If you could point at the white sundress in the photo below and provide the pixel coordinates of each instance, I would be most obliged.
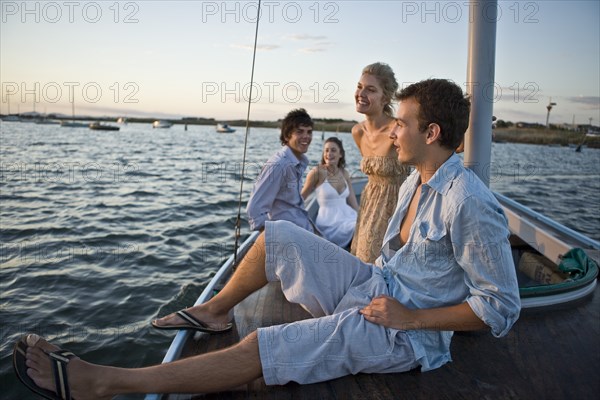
(336, 219)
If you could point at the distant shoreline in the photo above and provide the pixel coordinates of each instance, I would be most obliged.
(320, 124)
(529, 135)
(545, 137)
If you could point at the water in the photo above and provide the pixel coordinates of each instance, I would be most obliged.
(103, 231)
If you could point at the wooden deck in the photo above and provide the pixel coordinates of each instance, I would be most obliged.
(549, 354)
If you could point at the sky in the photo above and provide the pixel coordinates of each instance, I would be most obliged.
(173, 59)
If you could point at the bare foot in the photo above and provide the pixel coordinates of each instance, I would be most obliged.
(84, 378)
(199, 312)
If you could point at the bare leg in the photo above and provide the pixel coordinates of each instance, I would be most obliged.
(216, 371)
(248, 278)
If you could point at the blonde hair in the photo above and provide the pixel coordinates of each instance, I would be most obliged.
(386, 78)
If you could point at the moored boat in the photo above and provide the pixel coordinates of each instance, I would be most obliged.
(97, 126)
(47, 121)
(224, 128)
(73, 123)
(162, 124)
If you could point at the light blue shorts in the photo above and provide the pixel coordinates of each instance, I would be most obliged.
(332, 285)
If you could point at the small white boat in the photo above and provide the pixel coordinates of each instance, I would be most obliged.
(162, 124)
(224, 128)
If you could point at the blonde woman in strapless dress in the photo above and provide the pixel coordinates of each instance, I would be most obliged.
(373, 98)
(337, 202)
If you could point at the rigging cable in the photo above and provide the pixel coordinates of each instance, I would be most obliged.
(239, 217)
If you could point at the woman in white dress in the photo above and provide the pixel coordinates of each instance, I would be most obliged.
(337, 202)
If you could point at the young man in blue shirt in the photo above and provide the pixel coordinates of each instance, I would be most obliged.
(445, 266)
(276, 193)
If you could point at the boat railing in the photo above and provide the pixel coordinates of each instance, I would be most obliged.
(534, 215)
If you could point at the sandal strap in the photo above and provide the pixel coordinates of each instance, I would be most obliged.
(190, 319)
(59, 360)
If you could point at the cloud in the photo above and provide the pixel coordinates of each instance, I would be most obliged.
(302, 36)
(514, 114)
(266, 47)
(312, 49)
(317, 48)
(591, 101)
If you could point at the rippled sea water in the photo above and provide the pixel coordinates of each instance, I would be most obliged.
(102, 231)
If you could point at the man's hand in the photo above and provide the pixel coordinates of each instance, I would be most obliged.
(387, 311)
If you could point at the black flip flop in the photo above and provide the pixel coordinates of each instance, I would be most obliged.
(59, 359)
(193, 324)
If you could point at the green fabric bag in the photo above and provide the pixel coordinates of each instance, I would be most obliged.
(580, 268)
(577, 264)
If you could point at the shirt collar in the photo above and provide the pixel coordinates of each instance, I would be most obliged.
(442, 180)
(303, 161)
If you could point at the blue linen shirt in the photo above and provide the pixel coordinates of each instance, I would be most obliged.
(276, 193)
(457, 251)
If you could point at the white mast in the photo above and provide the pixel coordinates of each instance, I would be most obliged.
(483, 15)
